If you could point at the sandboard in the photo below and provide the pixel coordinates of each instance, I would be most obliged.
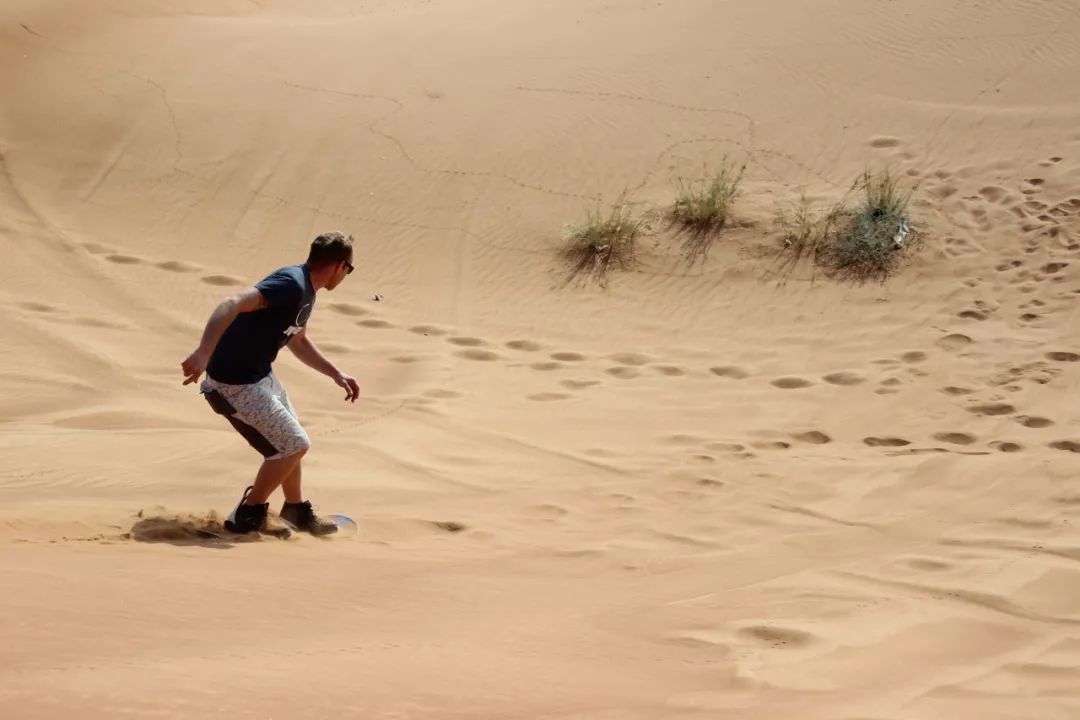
(223, 534)
(346, 526)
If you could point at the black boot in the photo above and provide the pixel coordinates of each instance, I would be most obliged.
(252, 518)
(302, 517)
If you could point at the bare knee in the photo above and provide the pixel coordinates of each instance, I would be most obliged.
(294, 451)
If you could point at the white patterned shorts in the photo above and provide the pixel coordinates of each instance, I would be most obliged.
(261, 413)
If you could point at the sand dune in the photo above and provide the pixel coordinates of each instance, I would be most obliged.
(718, 489)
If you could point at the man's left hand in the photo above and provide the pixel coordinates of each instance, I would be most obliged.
(352, 388)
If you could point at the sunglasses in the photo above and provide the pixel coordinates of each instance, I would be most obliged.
(349, 266)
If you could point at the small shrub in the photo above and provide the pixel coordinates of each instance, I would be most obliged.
(595, 246)
(701, 210)
(866, 242)
(857, 243)
(803, 233)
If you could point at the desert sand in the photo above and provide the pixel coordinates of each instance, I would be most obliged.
(703, 491)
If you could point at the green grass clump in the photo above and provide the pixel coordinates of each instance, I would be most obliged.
(601, 243)
(701, 210)
(863, 244)
(805, 233)
(863, 241)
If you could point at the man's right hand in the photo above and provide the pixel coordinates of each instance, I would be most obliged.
(194, 366)
(248, 300)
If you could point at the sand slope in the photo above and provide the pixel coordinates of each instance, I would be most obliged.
(708, 491)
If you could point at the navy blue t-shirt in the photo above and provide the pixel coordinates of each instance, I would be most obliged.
(251, 343)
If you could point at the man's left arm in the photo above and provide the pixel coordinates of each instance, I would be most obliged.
(309, 354)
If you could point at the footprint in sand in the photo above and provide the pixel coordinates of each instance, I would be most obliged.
(791, 383)
(954, 342)
(524, 345)
(729, 371)
(34, 306)
(1068, 445)
(994, 193)
(1037, 372)
(955, 438)
(770, 445)
(992, 409)
(348, 309)
(1006, 447)
(374, 324)
(631, 359)
(578, 384)
(1036, 423)
(927, 564)
(546, 366)
(884, 141)
(954, 390)
(956, 247)
(448, 525)
(669, 370)
(981, 223)
(567, 356)
(726, 447)
(1063, 356)
(178, 266)
(466, 341)
(623, 372)
(124, 259)
(915, 356)
(943, 192)
(427, 330)
(548, 397)
(844, 378)
(886, 442)
(778, 637)
(222, 280)
(814, 437)
(478, 355)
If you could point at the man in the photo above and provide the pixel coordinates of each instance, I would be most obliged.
(239, 344)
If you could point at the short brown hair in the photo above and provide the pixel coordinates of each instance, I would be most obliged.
(330, 248)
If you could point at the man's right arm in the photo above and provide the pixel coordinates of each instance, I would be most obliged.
(248, 300)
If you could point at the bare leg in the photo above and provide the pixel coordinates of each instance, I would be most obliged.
(291, 486)
(273, 473)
